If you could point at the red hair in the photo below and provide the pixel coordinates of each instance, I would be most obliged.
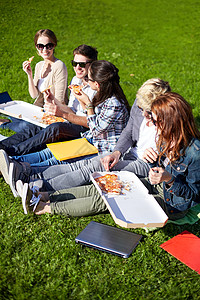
(176, 124)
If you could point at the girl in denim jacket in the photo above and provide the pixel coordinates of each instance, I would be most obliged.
(175, 177)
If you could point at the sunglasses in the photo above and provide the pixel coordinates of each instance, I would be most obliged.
(88, 79)
(48, 46)
(147, 111)
(81, 64)
(155, 122)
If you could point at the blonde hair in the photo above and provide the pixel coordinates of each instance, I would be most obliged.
(150, 90)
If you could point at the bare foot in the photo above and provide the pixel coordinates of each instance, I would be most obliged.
(43, 208)
(2, 121)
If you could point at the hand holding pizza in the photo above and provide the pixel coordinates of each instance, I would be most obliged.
(27, 68)
(109, 161)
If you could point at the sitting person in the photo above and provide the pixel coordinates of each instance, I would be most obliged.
(135, 138)
(49, 71)
(174, 182)
(107, 114)
(31, 139)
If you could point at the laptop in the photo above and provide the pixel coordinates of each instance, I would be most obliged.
(5, 97)
(109, 239)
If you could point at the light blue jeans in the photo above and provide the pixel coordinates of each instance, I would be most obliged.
(46, 158)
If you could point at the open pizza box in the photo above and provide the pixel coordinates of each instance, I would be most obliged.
(134, 208)
(23, 110)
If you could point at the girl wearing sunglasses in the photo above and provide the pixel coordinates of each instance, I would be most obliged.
(175, 178)
(48, 72)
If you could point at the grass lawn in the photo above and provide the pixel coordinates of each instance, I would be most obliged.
(39, 258)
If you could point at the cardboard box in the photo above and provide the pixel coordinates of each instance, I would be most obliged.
(23, 110)
(134, 208)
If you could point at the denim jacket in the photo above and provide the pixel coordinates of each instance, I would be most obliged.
(185, 190)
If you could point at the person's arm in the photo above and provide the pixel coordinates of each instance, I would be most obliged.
(109, 161)
(130, 134)
(60, 77)
(33, 91)
(54, 107)
(109, 113)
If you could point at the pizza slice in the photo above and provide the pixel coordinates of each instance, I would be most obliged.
(31, 58)
(47, 88)
(76, 88)
(49, 119)
(110, 184)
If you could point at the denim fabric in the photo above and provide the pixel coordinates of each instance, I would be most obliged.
(16, 125)
(20, 144)
(59, 177)
(185, 191)
(46, 158)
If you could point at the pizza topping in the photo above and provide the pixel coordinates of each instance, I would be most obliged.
(49, 119)
(110, 184)
(31, 58)
(76, 88)
(47, 88)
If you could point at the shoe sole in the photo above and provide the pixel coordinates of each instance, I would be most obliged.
(4, 166)
(11, 180)
(24, 196)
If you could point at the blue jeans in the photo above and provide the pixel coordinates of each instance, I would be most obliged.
(16, 125)
(34, 138)
(69, 175)
(46, 158)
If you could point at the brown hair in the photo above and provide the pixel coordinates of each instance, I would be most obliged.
(88, 51)
(176, 124)
(106, 74)
(46, 32)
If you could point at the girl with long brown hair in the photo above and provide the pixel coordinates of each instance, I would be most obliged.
(175, 177)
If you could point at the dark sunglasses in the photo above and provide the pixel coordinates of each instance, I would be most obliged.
(88, 79)
(81, 64)
(48, 46)
(155, 122)
(147, 111)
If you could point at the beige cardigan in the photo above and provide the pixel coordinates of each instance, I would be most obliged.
(57, 77)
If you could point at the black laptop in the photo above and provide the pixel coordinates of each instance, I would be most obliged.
(5, 97)
(110, 239)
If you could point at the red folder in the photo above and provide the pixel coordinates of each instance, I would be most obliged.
(185, 247)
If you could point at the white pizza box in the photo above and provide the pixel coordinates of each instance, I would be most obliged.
(23, 110)
(134, 208)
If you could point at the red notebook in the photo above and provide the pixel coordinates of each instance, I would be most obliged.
(185, 247)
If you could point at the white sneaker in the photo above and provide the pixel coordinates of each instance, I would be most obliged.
(4, 165)
(17, 171)
(19, 187)
(29, 200)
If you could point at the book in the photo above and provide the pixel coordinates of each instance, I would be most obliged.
(185, 247)
(71, 149)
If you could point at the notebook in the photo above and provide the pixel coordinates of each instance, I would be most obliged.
(109, 239)
(186, 248)
(72, 149)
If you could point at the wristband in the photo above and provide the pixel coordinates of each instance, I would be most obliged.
(170, 181)
(88, 106)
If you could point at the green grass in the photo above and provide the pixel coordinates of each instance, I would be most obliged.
(39, 258)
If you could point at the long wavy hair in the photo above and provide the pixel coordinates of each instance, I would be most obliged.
(106, 74)
(176, 124)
